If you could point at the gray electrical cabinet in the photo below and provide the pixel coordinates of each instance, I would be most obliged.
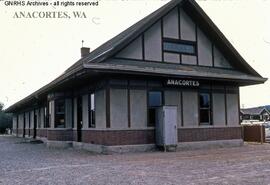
(166, 127)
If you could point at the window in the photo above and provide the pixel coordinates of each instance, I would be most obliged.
(46, 117)
(177, 46)
(59, 113)
(92, 108)
(154, 101)
(205, 109)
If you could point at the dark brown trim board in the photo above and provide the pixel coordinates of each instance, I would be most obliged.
(108, 108)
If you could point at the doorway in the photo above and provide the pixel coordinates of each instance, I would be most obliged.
(79, 119)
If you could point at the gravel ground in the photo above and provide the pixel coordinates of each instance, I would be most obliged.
(28, 163)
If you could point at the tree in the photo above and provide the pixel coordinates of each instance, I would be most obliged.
(5, 119)
(1, 106)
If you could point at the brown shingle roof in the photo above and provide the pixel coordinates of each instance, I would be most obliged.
(254, 110)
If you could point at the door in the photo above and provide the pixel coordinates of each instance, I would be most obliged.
(35, 125)
(170, 124)
(79, 119)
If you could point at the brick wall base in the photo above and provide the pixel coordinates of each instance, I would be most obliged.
(60, 135)
(42, 132)
(138, 137)
(14, 131)
(123, 137)
(20, 131)
(209, 134)
(28, 132)
(75, 137)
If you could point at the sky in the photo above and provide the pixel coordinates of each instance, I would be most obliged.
(33, 52)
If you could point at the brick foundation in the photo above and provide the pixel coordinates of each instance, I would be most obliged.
(209, 134)
(60, 135)
(138, 137)
(123, 137)
(75, 138)
(31, 132)
(28, 131)
(14, 131)
(20, 131)
(42, 132)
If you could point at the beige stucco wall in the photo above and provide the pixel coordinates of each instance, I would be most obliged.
(118, 108)
(133, 50)
(100, 97)
(219, 113)
(171, 24)
(173, 98)
(152, 43)
(232, 109)
(190, 108)
(138, 108)
(187, 27)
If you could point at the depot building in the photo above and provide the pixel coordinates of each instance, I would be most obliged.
(170, 79)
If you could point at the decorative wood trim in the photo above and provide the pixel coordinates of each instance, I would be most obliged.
(211, 107)
(213, 55)
(143, 47)
(182, 109)
(155, 61)
(108, 108)
(162, 34)
(239, 109)
(128, 104)
(197, 47)
(179, 21)
(179, 30)
(225, 101)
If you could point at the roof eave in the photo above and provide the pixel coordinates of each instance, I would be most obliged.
(108, 69)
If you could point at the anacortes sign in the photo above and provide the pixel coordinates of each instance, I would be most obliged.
(183, 82)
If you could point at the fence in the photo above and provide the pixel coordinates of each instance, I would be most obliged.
(254, 133)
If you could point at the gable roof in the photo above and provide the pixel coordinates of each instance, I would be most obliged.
(117, 43)
(111, 47)
(254, 111)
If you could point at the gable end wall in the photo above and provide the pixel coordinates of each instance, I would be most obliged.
(177, 25)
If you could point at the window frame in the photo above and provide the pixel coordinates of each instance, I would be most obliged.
(179, 41)
(58, 125)
(91, 111)
(153, 107)
(209, 108)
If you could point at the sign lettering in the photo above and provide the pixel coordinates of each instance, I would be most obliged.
(186, 83)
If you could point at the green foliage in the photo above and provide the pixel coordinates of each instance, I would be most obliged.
(5, 119)
(1, 106)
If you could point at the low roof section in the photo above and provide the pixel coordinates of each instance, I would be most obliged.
(254, 111)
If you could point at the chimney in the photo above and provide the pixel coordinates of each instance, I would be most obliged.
(84, 51)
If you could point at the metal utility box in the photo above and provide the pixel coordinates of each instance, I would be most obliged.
(166, 126)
